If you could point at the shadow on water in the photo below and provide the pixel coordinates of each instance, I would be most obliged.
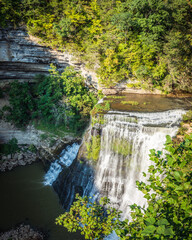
(25, 199)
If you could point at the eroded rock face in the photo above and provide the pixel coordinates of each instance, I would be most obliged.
(22, 57)
(47, 148)
(21, 158)
(77, 179)
(28, 136)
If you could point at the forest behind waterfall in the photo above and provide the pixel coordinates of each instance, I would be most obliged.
(147, 42)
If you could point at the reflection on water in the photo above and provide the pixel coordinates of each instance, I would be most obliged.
(24, 198)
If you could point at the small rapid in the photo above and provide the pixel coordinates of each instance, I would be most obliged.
(66, 158)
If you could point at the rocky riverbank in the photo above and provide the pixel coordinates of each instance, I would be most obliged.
(32, 145)
(23, 232)
(18, 159)
(30, 153)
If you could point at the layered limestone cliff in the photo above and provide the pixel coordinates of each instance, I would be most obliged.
(22, 57)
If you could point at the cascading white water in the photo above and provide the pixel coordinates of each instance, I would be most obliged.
(66, 158)
(125, 143)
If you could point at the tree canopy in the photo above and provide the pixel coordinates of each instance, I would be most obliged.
(144, 40)
(59, 99)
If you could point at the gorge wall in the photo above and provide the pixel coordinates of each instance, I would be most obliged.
(22, 57)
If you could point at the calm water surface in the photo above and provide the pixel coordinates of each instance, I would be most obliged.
(149, 103)
(23, 197)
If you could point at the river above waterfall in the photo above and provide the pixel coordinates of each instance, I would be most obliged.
(24, 198)
(147, 103)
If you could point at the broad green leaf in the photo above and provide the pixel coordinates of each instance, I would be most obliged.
(168, 139)
(150, 221)
(162, 221)
(169, 232)
(161, 229)
(179, 188)
(149, 230)
(187, 185)
(171, 200)
(177, 175)
(144, 174)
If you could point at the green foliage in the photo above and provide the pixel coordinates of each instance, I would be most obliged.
(144, 40)
(168, 191)
(58, 102)
(100, 108)
(10, 12)
(97, 119)
(9, 148)
(94, 220)
(187, 116)
(122, 147)
(185, 125)
(44, 136)
(182, 130)
(115, 97)
(77, 93)
(75, 128)
(62, 96)
(21, 104)
(93, 148)
(100, 94)
(136, 85)
(32, 148)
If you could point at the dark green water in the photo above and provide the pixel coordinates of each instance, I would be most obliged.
(24, 198)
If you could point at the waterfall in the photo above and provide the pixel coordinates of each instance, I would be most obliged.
(66, 158)
(126, 139)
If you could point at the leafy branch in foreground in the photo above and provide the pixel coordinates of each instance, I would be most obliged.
(169, 196)
(168, 214)
(144, 40)
(93, 220)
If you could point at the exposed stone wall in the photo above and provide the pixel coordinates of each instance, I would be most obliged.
(28, 136)
(22, 57)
